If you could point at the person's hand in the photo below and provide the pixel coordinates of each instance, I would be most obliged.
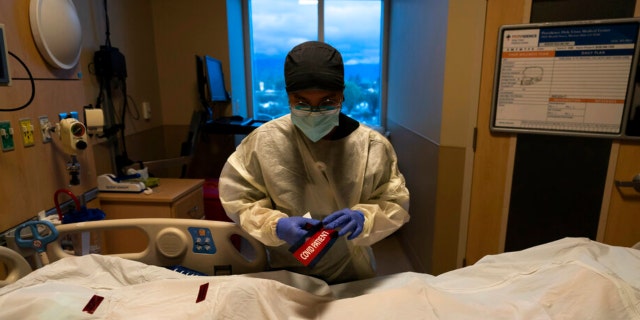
(346, 220)
(292, 229)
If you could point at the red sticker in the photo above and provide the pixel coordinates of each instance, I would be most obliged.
(316, 244)
(202, 293)
(93, 304)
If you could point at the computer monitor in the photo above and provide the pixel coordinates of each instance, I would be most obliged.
(210, 81)
(566, 78)
(217, 91)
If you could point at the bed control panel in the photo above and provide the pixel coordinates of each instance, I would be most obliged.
(202, 240)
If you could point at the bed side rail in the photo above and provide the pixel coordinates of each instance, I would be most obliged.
(17, 266)
(202, 245)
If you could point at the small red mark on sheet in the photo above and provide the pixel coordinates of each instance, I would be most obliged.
(202, 293)
(93, 304)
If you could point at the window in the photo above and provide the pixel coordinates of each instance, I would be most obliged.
(354, 27)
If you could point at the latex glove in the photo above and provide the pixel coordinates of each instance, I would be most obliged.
(292, 229)
(346, 220)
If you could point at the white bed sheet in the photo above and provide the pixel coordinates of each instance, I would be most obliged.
(572, 278)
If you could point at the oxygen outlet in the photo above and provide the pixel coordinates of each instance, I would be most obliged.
(73, 134)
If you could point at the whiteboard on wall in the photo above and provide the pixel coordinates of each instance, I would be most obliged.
(566, 78)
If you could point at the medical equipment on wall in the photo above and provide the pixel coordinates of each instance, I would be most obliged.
(73, 136)
(93, 120)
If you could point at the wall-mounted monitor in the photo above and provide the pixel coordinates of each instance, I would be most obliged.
(566, 78)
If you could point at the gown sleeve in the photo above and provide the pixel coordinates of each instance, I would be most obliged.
(386, 208)
(244, 197)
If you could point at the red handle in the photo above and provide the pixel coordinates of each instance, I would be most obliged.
(73, 197)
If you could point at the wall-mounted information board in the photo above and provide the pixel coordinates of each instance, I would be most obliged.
(567, 78)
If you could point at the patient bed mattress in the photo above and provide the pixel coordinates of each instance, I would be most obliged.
(573, 278)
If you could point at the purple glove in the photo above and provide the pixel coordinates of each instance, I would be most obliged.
(346, 220)
(292, 229)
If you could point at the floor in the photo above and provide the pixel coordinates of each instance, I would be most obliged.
(390, 257)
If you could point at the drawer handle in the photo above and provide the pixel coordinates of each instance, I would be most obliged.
(634, 183)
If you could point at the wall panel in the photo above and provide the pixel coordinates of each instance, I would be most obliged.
(491, 163)
(30, 175)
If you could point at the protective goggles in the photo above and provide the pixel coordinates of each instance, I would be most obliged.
(327, 106)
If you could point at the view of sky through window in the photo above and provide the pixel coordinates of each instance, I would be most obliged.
(354, 27)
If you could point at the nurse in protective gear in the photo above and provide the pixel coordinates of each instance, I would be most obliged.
(319, 161)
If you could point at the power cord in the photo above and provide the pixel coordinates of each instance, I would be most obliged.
(33, 86)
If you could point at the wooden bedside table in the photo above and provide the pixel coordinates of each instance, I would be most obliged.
(172, 198)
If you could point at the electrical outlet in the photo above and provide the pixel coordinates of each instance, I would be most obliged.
(45, 127)
(6, 134)
(27, 132)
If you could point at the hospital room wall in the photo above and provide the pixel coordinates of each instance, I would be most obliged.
(183, 29)
(159, 40)
(434, 67)
(176, 31)
(31, 174)
(131, 29)
(496, 153)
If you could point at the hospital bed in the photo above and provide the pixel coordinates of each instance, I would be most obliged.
(571, 278)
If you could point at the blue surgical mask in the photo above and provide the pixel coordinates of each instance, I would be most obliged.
(315, 126)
